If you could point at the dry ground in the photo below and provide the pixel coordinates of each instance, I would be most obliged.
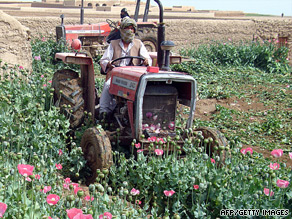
(206, 107)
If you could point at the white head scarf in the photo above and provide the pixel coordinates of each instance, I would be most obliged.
(126, 34)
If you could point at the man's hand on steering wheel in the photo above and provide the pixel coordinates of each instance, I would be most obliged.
(143, 61)
(110, 66)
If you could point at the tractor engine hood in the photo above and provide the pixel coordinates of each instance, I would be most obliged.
(125, 82)
(130, 82)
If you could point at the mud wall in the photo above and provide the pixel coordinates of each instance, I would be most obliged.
(189, 32)
(14, 40)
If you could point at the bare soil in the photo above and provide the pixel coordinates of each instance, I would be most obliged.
(206, 107)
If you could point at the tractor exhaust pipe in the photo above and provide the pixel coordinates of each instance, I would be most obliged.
(82, 13)
(160, 35)
(62, 16)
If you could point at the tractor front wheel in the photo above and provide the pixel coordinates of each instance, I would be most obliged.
(218, 140)
(97, 151)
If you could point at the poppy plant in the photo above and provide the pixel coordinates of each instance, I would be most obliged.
(268, 193)
(196, 187)
(37, 57)
(152, 127)
(152, 139)
(274, 166)
(53, 199)
(83, 216)
(290, 155)
(28, 179)
(160, 140)
(282, 183)
(148, 115)
(245, 150)
(46, 189)
(171, 125)
(138, 145)
(106, 215)
(145, 127)
(88, 198)
(66, 186)
(277, 153)
(158, 152)
(71, 213)
(135, 192)
(67, 180)
(76, 189)
(3, 208)
(75, 185)
(25, 170)
(59, 166)
(168, 193)
(212, 160)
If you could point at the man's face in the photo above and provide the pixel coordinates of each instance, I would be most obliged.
(130, 28)
(123, 14)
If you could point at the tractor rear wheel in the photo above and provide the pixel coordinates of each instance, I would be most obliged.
(97, 151)
(218, 140)
(68, 95)
(149, 39)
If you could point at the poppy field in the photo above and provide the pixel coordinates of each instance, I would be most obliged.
(43, 171)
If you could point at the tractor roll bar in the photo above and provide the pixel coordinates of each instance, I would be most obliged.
(82, 12)
(145, 17)
(161, 27)
(137, 10)
(160, 35)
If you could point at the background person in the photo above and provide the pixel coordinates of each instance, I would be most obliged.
(124, 13)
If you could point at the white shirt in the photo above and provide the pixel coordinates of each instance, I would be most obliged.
(109, 52)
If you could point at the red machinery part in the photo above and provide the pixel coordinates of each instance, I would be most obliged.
(76, 44)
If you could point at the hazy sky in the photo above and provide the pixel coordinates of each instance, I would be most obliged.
(273, 7)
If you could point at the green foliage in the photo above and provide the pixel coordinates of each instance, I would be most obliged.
(34, 132)
(244, 82)
(238, 184)
(43, 54)
(266, 56)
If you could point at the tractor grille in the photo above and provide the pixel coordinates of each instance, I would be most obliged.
(60, 32)
(159, 110)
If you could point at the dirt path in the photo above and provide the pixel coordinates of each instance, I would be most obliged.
(206, 107)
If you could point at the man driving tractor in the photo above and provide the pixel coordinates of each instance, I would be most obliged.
(126, 46)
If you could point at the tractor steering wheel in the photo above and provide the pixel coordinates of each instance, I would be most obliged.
(111, 23)
(131, 60)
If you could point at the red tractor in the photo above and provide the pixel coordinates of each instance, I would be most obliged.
(96, 37)
(148, 102)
